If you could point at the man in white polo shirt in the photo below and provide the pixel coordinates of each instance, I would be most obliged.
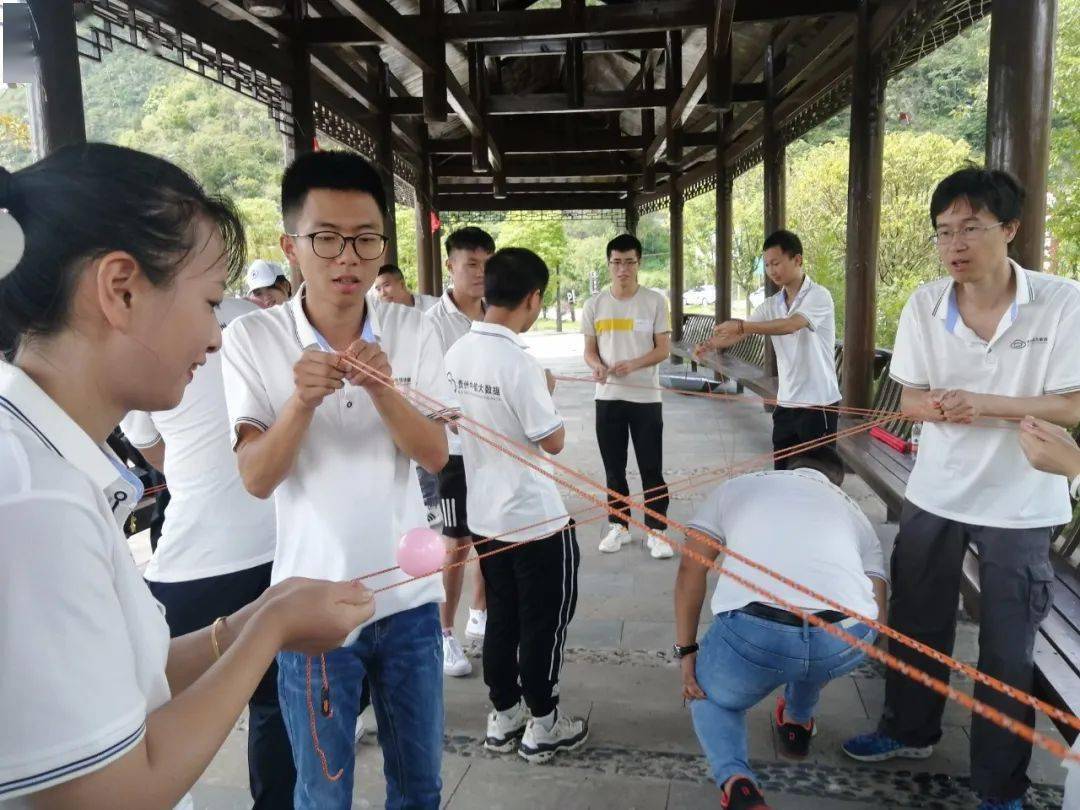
(337, 450)
(217, 545)
(390, 288)
(993, 341)
(532, 590)
(627, 336)
(800, 321)
(753, 645)
(467, 251)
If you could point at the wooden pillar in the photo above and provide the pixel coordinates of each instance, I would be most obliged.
(775, 177)
(384, 158)
(675, 210)
(631, 218)
(424, 270)
(867, 138)
(301, 106)
(56, 97)
(724, 220)
(1019, 104)
(436, 236)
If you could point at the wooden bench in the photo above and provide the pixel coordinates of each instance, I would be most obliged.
(743, 363)
(1057, 647)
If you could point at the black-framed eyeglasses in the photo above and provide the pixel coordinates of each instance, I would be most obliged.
(623, 263)
(331, 244)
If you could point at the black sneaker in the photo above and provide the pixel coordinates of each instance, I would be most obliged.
(743, 795)
(794, 739)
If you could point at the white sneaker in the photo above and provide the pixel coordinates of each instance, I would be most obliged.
(540, 745)
(504, 729)
(477, 624)
(455, 663)
(616, 537)
(659, 548)
(359, 729)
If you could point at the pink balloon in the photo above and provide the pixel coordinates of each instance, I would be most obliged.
(420, 552)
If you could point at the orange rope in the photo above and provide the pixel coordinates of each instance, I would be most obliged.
(995, 716)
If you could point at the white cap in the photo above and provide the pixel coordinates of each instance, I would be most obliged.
(261, 273)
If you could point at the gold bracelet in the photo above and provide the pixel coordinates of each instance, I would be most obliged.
(214, 644)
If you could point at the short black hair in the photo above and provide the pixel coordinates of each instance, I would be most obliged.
(787, 241)
(339, 171)
(85, 200)
(992, 189)
(391, 270)
(826, 460)
(623, 243)
(511, 275)
(470, 238)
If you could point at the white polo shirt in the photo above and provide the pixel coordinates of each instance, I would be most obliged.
(805, 360)
(500, 385)
(799, 525)
(83, 644)
(978, 474)
(212, 525)
(450, 325)
(351, 493)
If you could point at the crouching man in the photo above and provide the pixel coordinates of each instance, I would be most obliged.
(753, 646)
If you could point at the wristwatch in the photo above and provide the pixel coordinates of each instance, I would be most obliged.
(682, 652)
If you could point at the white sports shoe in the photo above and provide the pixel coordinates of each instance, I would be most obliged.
(359, 729)
(504, 729)
(659, 548)
(477, 624)
(455, 663)
(540, 745)
(616, 537)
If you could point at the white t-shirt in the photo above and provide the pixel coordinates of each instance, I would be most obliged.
(500, 385)
(625, 330)
(351, 493)
(805, 360)
(212, 525)
(450, 325)
(978, 474)
(83, 644)
(799, 525)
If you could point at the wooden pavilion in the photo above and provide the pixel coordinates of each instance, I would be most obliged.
(629, 106)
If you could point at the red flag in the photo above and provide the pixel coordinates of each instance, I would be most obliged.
(436, 223)
(315, 144)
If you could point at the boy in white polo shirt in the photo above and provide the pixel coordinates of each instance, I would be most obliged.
(337, 450)
(532, 589)
(467, 251)
(627, 335)
(992, 341)
(800, 321)
(217, 544)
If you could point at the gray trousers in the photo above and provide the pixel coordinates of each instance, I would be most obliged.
(1016, 583)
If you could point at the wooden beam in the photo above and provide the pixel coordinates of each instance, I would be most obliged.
(328, 30)
(1018, 135)
(301, 103)
(518, 142)
(530, 202)
(521, 187)
(867, 138)
(613, 43)
(478, 146)
(434, 76)
(56, 96)
(606, 101)
(594, 166)
(384, 160)
(720, 77)
(574, 62)
(623, 18)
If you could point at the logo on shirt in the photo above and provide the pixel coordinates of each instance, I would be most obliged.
(1019, 343)
(486, 390)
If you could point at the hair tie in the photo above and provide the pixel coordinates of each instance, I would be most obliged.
(12, 238)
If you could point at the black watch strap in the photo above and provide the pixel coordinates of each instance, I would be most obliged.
(682, 652)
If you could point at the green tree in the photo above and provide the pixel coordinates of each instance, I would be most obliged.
(547, 239)
(1064, 183)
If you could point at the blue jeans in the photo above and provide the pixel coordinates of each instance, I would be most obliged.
(401, 656)
(742, 659)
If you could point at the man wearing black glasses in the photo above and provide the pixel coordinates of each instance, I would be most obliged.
(336, 449)
(627, 335)
(991, 342)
